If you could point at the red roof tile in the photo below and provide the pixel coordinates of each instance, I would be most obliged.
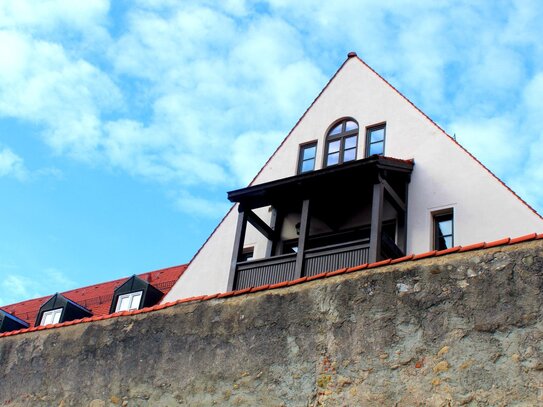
(96, 298)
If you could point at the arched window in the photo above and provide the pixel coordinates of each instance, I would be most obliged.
(341, 142)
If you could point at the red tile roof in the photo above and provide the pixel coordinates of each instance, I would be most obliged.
(96, 298)
(251, 290)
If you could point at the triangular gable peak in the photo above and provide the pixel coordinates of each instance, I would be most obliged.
(449, 192)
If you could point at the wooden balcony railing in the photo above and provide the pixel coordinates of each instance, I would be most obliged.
(273, 270)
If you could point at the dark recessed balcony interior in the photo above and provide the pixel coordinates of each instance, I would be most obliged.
(328, 219)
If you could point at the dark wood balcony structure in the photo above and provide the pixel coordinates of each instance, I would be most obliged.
(346, 215)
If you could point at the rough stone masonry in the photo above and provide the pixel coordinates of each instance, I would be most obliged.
(462, 329)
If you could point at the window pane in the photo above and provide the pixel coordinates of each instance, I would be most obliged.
(56, 316)
(47, 318)
(308, 165)
(350, 142)
(332, 159)
(334, 146)
(445, 227)
(376, 148)
(123, 303)
(136, 298)
(349, 155)
(309, 152)
(350, 125)
(336, 130)
(377, 135)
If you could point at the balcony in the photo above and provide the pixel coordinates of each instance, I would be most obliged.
(333, 206)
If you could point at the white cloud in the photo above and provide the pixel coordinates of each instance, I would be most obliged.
(490, 140)
(48, 15)
(250, 151)
(183, 93)
(11, 164)
(201, 206)
(15, 286)
(40, 83)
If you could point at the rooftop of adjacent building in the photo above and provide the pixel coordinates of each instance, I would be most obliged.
(96, 298)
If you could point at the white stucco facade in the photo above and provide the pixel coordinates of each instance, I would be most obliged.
(445, 176)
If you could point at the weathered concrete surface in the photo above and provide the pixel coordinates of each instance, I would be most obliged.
(465, 329)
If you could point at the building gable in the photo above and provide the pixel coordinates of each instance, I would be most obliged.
(446, 176)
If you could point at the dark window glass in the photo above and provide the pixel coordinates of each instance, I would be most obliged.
(341, 143)
(443, 231)
(306, 161)
(248, 254)
(375, 140)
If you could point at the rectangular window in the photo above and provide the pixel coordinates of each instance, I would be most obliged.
(443, 230)
(247, 254)
(375, 140)
(306, 161)
(128, 302)
(51, 317)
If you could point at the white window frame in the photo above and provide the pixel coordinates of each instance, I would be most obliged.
(134, 301)
(51, 317)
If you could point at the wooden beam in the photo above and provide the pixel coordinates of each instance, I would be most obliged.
(302, 239)
(396, 200)
(260, 225)
(239, 239)
(376, 222)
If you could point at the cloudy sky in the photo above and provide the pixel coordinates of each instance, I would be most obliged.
(124, 123)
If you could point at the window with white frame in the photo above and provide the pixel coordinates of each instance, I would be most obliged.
(51, 317)
(128, 302)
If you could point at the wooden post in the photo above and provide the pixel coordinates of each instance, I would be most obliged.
(273, 225)
(302, 239)
(238, 246)
(376, 223)
(404, 231)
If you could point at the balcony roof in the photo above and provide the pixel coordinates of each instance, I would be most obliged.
(329, 179)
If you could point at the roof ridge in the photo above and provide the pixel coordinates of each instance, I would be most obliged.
(446, 134)
(268, 287)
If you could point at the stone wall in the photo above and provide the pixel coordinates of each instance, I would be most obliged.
(462, 329)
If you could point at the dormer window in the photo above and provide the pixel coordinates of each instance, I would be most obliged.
(58, 309)
(341, 143)
(51, 317)
(134, 293)
(9, 322)
(128, 302)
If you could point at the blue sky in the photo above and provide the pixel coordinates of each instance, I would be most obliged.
(124, 123)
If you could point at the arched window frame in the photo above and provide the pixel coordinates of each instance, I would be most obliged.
(341, 142)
